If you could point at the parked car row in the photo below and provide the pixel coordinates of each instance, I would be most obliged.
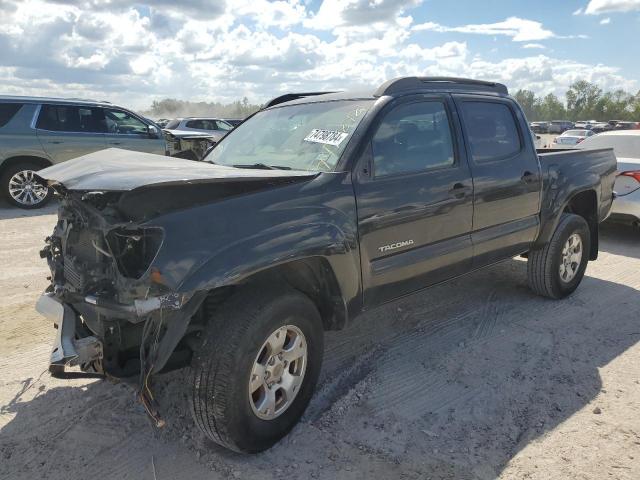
(561, 126)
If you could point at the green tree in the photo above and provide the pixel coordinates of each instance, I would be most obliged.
(530, 104)
(582, 100)
(551, 108)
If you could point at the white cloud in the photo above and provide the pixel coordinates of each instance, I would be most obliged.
(281, 14)
(519, 29)
(340, 13)
(134, 54)
(578, 11)
(597, 7)
(605, 21)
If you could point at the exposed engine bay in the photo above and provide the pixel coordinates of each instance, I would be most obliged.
(116, 320)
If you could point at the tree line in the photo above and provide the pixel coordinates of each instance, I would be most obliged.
(172, 108)
(583, 101)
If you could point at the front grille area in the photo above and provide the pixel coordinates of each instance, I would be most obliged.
(72, 275)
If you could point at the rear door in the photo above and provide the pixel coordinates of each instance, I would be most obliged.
(69, 131)
(507, 179)
(125, 130)
(414, 197)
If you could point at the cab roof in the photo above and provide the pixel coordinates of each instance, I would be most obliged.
(397, 86)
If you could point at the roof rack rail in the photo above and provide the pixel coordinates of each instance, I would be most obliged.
(417, 83)
(287, 97)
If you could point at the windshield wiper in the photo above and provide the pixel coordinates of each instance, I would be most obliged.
(262, 166)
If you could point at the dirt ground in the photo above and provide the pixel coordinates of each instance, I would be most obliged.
(474, 379)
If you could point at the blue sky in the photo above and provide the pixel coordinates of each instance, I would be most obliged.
(134, 52)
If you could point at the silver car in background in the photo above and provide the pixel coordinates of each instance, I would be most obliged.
(38, 132)
(571, 138)
(214, 127)
(191, 138)
(626, 145)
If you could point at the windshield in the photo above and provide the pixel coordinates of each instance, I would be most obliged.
(310, 136)
(624, 146)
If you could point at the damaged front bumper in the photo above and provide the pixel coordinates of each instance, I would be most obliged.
(67, 349)
(76, 344)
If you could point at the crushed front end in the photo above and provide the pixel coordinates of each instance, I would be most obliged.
(112, 312)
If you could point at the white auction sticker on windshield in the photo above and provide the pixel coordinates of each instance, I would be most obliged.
(328, 137)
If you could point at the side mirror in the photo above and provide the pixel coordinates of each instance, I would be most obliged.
(153, 131)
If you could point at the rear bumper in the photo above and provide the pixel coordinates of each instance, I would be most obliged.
(627, 205)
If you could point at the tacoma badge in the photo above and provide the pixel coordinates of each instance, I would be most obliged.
(393, 246)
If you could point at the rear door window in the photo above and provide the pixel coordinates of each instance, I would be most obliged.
(70, 118)
(491, 130)
(7, 112)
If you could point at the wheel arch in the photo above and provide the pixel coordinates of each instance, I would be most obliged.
(15, 160)
(585, 205)
(313, 276)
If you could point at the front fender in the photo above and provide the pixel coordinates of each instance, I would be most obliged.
(234, 263)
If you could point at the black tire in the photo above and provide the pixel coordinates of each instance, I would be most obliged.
(9, 173)
(543, 266)
(235, 335)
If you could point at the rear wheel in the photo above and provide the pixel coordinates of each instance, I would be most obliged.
(556, 270)
(257, 369)
(21, 189)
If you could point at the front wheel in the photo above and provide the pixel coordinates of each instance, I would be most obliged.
(257, 369)
(556, 270)
(21, 189)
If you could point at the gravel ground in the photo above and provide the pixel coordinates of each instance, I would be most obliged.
(476, 378)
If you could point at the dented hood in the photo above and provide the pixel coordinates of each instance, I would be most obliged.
(115, 169)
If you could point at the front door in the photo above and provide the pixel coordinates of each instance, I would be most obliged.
(415, 201)
(127, 131)
(69, 131)
(507, 180)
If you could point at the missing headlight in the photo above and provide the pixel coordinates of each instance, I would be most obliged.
(134, 249)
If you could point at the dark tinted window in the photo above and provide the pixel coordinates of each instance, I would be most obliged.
(412, 138)
(491, 129)
(69, 118)
(194, 124)
(7, 111)
(202, 124)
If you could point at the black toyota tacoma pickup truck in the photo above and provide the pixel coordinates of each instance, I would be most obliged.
(316, 209)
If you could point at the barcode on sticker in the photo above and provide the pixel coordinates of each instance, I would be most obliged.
(328, 137)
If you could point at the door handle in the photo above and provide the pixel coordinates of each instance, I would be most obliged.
(459, 190)
(115, 143)
(55, 142)
(529, 177)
